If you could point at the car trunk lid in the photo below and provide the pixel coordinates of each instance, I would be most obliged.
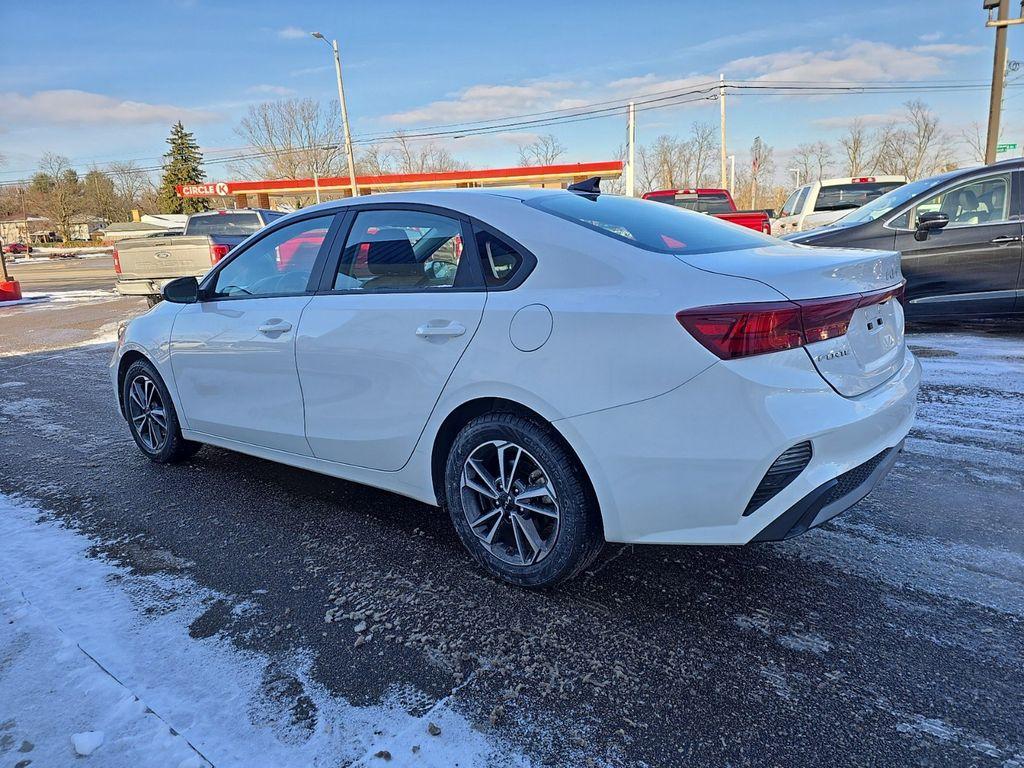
(832, 286)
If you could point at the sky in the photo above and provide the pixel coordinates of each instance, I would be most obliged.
(106, 81)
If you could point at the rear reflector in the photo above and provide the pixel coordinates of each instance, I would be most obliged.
(218, 252)
(741, 330)
(117, 262)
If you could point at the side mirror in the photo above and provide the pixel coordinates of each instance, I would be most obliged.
(183, 290)
(926, 222)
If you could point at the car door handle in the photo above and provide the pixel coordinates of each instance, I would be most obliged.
(275, 326)
(1004, 239)
(433, 329)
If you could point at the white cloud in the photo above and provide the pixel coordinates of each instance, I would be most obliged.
(859, 61)
(484, 102)
(83, 107)
(930, 37)
(291, 33)
(311, 70)
(948, 49)
(271, 90)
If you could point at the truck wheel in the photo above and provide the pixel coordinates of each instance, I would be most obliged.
(520, 502)
(151, 416)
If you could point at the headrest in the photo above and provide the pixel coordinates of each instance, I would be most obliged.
(391, 253)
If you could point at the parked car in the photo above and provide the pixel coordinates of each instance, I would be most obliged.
(15, 248)
(554, 369)
(145, 264)
(821, 203)
(716, 202)
(960, 236)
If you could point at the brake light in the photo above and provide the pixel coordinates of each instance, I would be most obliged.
(117, 262)
(741, 330)
(864, 180)
(218, 252)
(766, 226)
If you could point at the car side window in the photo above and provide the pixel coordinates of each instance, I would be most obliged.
(500, 260)
(400, 250)
(790, 205)
(979, 201)
(280, 263)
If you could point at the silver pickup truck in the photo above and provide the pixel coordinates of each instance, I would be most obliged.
(143, 265)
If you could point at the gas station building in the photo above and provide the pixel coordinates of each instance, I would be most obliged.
(259, 194)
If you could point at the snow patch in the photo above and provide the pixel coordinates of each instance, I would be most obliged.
(89, 656)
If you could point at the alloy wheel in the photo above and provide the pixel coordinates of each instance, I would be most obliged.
(146, 409)
(509, 502)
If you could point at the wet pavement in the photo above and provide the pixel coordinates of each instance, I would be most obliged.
(891, 636)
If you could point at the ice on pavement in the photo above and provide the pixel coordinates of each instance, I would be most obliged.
(99, 660)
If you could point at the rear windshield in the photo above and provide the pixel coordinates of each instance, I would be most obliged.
(841, 196)
(711, 203)
(646, 224)
(224, 224)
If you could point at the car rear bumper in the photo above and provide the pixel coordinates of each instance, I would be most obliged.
(682, 468)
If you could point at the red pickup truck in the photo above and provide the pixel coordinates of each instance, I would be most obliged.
(716, 202)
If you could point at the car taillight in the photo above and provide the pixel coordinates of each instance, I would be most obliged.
(741, 330)
(766, 226)
(117, 262)
(218, 252)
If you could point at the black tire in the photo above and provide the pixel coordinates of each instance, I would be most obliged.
(171, 447)
(577, 537)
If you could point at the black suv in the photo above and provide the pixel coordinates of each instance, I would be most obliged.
(960, 234)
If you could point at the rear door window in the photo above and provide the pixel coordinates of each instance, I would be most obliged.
(661, 228)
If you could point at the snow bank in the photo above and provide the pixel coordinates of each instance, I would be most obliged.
(94, 649)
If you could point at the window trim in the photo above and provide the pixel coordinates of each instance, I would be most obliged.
(524, 270)
(473, 282)
(207, 283)
(1015, 194)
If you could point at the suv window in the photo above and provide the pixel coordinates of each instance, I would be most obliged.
(500, 261)
(280, 263)
(979, 201)
(400, 251)
(661, 228)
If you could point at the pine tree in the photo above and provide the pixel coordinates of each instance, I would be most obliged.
(183, 164)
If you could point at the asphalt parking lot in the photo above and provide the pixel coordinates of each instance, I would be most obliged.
(892, 636)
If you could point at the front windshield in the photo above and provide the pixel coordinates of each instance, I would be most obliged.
(890, 200)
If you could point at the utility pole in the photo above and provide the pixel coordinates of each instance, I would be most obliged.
(631, 151)
(344, 115)
(998, 76)
(721, 107)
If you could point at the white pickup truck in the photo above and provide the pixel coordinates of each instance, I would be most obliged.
(821, 203)
(144, 264)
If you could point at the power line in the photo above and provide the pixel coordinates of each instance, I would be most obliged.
(603, 109)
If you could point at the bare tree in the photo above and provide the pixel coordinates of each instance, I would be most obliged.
(293, 138)
(56, 193)
(857, 147)
(407, 156)
(915, 148)
(703, 149)
(813, 160)
(974, 139)
(131, 184)
(544, 151)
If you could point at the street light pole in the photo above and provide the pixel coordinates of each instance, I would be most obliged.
(344, 115)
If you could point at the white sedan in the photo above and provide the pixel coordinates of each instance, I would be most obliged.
(556, 369)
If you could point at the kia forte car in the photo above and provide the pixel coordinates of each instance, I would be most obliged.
(553, 368)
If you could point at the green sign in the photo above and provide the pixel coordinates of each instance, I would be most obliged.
(1006, 147)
